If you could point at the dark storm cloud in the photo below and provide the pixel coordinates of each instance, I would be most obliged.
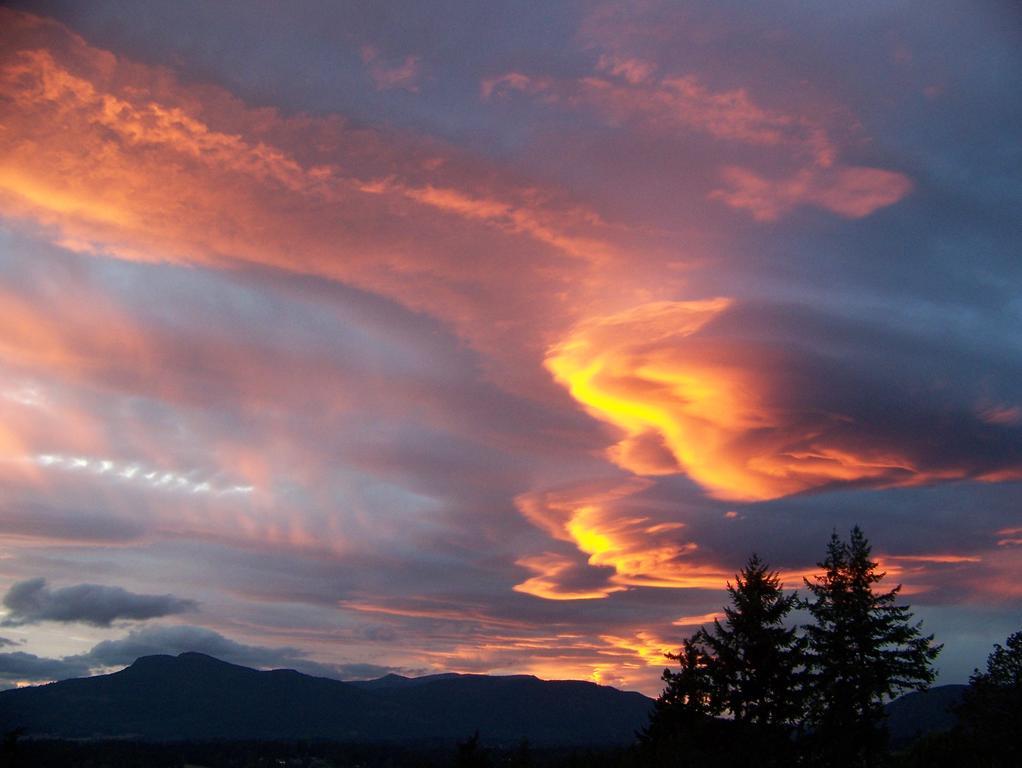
(962, 517)
(173, 640)
(176, 639)
(32, 602)
(361, 671)
(880, 384)
(20, 666)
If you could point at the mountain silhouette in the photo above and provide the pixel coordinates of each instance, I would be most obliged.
(194, 696)
(917, 714)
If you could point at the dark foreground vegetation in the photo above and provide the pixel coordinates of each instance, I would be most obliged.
(281, 754)
(469, 753)
(753, 690)
(757, 690)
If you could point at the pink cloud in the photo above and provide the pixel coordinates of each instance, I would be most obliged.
(626, 93)
(386, 76)
(852, 192)
(407, 218)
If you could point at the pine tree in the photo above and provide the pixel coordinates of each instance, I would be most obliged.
(863, 650)
(756, 658)
(685, 701)
(991, 709)
(747, 667)
(470, 754)
(683, 729)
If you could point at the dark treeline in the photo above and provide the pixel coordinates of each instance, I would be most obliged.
(989, 729)
(470, 753)
(755, 689)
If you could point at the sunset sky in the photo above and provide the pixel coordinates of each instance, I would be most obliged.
(494, 337)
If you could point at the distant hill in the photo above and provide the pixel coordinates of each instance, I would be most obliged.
(400, 681)
(194, 696)
(917, 714)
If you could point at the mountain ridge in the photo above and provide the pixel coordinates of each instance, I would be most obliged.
(194, 696)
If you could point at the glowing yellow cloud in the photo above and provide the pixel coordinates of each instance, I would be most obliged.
(676, 415)
(636, 550)
(717, 409)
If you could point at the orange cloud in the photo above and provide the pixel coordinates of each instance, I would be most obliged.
(937, 558)
(552, 572)
(529, 218)
(726, 413)
(103, 155)
(852, 192)
(697, 621)
(651, 649)
(632, 549)
(630, 658)
(676, 417)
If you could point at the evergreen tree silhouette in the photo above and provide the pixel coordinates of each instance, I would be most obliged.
(991, 708)
(756, 658)
(9, 748)
(862, 651)
(471, 754)
(685, 700)
(757, 663)
(748, 667)
(682, 729)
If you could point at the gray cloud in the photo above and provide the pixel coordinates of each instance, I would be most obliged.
(31, 601)
(176, 639)
(20, 666)
(172, 640)
(43, 521)
(362, 671)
